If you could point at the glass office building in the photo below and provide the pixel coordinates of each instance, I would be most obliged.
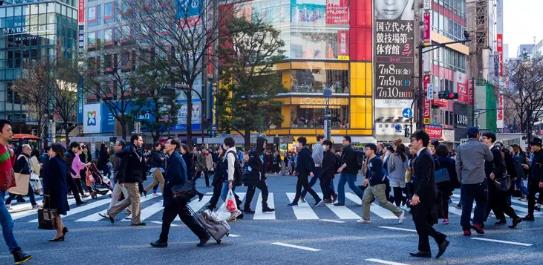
(32, 30)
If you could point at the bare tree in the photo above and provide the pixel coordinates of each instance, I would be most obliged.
(525, 93)
(181, 34)
(249, 52)
(33, 90)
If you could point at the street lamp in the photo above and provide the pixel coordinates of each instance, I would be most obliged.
(327, 93)
(420, 91)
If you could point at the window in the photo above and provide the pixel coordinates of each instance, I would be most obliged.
(108, 36)
(91, 14)
(108, 11)
(91, 39)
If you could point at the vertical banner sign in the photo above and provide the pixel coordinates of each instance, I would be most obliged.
(337, 12)
(394, 45)
(81, 11)
(499, 120)
(427, 29)
(427, 101)
(343, 44)
(499, 48)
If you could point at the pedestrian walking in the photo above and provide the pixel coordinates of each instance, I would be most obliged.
(219, 179)
(73, 162)
(22, 166)
(156, 165)
(499, 183)
(188, 157)
(257, 177)
(233, 178)
(305, 167)
(118, 190)
(535, 178)
(376, 187)
(446, 180)
(522, 171)
(423, 199)
(103, 160)
(470, 167)
(348, 171)
(131, 172)
(176, 174)
(56, 188)
(7, 180)
(397, 166)
(328, 172)
(317, 155)
(35, 172)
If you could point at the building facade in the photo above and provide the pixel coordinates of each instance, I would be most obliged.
(31, 31)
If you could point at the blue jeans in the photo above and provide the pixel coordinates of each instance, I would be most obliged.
(347, 178)
(7, 225)
(224, 191)
(520, 185)
(468, 194)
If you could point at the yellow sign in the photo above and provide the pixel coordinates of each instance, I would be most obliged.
(343, 57)
(426, 121)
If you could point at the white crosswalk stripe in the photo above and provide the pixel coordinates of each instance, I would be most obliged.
(152, 207)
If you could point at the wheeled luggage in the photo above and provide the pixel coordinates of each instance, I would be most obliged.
(212, 223)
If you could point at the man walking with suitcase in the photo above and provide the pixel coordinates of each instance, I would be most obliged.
(176, 174)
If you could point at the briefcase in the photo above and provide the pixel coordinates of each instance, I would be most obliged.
(46, 216)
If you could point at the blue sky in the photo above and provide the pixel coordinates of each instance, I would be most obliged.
(522, 22)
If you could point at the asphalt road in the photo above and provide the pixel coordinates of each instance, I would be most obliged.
(324, 235)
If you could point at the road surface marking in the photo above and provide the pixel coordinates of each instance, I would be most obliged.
(233, 235)
(342, 212)
(303, 211)
(160, 223)
(375, 208)
(296, 247)
(385, 262)
(332, 221)
(196, 205)
(82, 208)
(502, 241)
(149, 211)
(398, 229)
(259, 215)
(96, 216)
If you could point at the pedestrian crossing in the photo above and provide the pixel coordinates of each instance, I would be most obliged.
(152, 209)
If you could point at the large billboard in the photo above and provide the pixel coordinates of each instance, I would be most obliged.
(92, 116)
(308, 12)
(337, 12)
(182, 115)
(394, 49)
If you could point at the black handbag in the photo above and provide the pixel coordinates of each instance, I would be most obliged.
(46, 215)
(184, 192)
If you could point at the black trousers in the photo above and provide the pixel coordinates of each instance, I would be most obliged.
(422, 216)
(206, 176)
(498, 202)
(263, 187)
(398, 196)
(533, 188)
(303, 183)
(181, 210)
(74, 187)
(327, 184)
(313, 181)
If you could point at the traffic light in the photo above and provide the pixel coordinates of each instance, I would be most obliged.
(446, 94)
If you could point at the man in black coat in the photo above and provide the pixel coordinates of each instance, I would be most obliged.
(131, 173)
(305, 167)
(328, 171)
(424, 198)
(257, 177)
(535, 179)
(176, 174)
(497, 177)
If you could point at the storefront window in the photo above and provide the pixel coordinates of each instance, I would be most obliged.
(315, 45)
(315, 80)
(313, 116)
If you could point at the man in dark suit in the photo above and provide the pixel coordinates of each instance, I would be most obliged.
(305, 167)
(424, 198)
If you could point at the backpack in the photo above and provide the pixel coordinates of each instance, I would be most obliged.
(238, 170)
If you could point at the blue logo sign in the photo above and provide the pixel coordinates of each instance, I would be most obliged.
(398, 127)
(407, 113)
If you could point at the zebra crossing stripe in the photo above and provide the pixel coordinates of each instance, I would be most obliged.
(375, 208)
(149, 211)
(303, 211)
(342, 212)
(96, 216)
(23, 214)
(259, 215)
(196, 205)
(82, 208)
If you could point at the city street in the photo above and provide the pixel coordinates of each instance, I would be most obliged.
(300, 235)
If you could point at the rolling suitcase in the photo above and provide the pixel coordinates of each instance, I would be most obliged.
(212, 223)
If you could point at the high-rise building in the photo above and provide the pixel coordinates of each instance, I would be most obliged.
(32, 30)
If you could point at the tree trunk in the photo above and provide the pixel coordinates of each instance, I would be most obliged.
(247, 139)
(67, 133)
(123, 128)
(189, 117)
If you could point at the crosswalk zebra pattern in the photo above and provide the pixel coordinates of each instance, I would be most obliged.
(152, 209)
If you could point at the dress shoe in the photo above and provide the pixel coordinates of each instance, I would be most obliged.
(267, 209)
(327, 201)
(442, 247)
(478, 228)
(318, 203)
(159, 244)
(106, 216)
(248, 210)
(21, 257)
(293, 204)
(501, 222)
(140, 224)
(80, 203)
(339, 204)
(467, 232)
(203, 241)
(516, 221)
(421, 255)
(529, 218)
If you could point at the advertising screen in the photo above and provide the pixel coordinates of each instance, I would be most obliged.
(308, 12)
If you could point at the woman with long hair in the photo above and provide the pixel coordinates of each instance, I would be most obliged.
(56, 188)
(397, 166)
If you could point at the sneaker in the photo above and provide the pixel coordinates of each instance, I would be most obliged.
(21, 257)
(445, 221)
(401, 218)
(159, 244)
(318, 203)
(467, 232)
(363, 221)
(293, 204)
(478, 228)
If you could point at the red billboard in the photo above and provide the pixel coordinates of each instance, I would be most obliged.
(81, 11)
(435, 132)
(427, 29)
(337, 12)
(427, 102)
(343, 43)
(499, 48)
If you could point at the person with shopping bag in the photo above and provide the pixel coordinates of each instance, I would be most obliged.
(176, 175)
(7, 180)
(56, 189)
(22, 172)
(233, 177)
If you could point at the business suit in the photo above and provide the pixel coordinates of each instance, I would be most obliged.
(423, 213)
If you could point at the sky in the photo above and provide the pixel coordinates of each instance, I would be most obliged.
(522, 20)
